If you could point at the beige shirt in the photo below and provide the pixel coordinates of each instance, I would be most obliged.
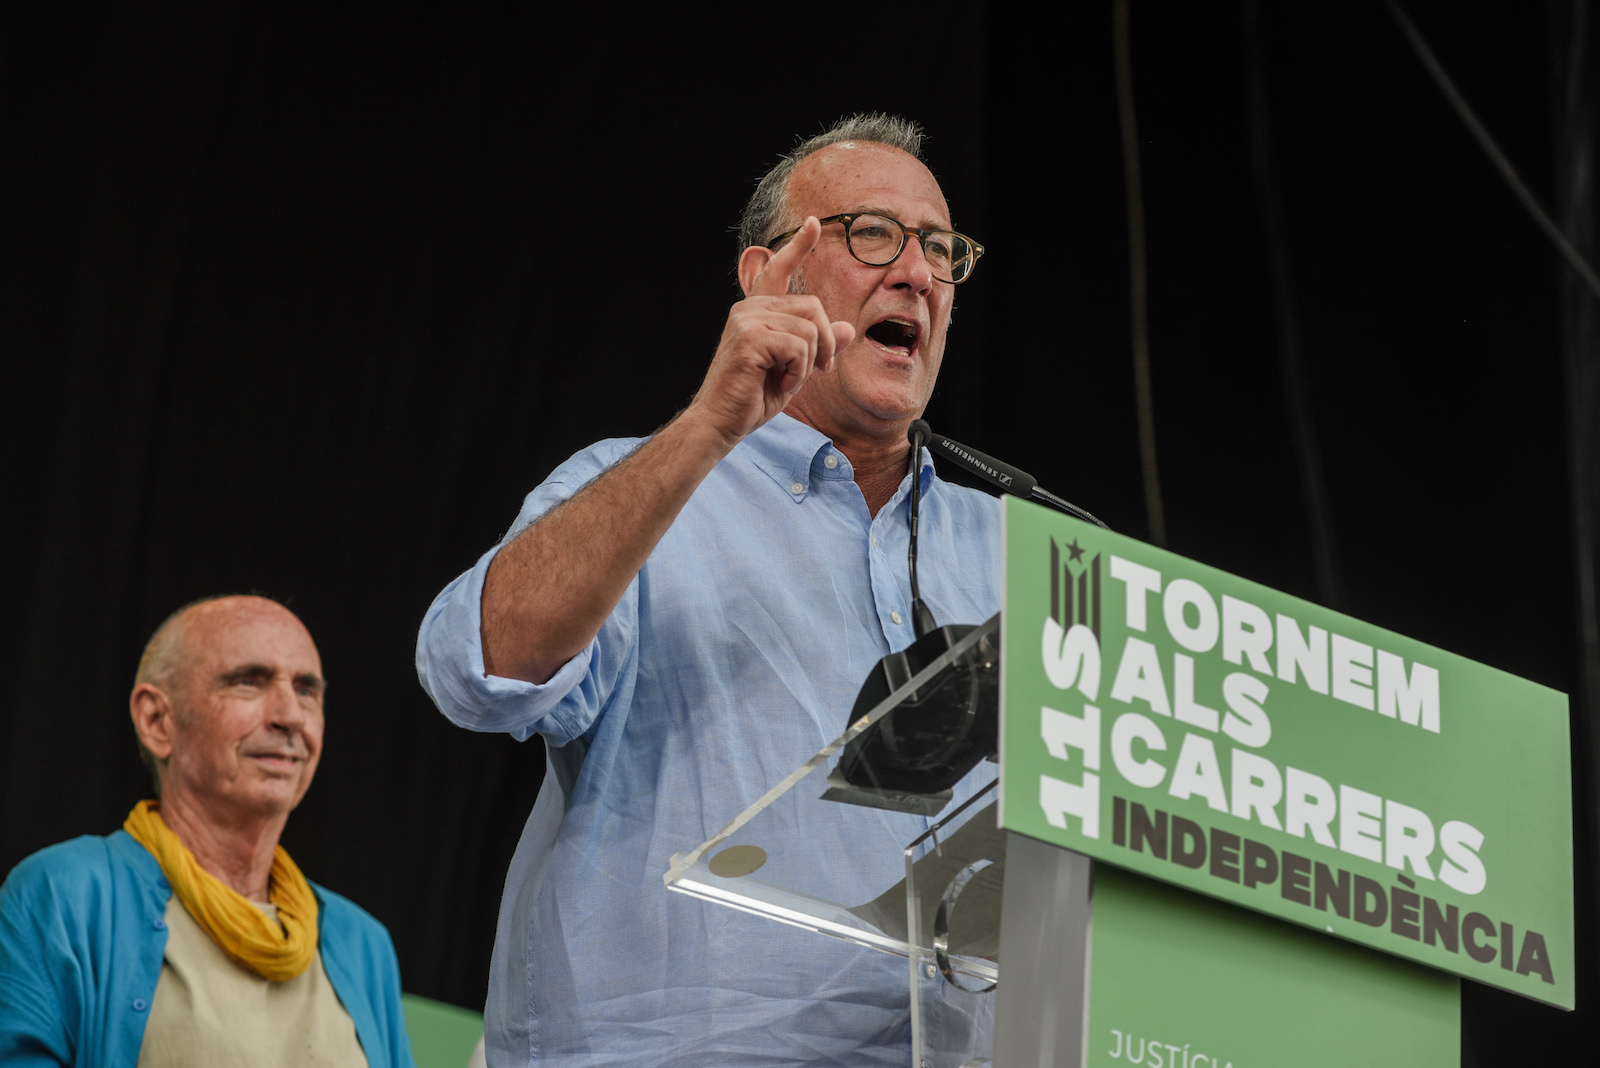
(209, 1011)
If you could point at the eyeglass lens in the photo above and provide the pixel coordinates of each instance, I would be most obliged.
(876, 240)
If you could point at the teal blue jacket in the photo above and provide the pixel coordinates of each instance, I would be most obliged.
(82, 935)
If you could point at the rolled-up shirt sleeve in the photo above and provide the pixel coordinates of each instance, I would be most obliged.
(450, 642)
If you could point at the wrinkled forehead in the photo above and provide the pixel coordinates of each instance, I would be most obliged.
(854, 175)
(225, 635)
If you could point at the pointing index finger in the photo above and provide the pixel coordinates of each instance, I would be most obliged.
(774, 278)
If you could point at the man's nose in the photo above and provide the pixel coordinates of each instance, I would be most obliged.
(284, 709)
(911, 271)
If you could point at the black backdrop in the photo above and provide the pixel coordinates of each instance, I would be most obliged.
(302, 303)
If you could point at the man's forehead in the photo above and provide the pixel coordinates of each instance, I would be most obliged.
(853, 175)
(223, 635)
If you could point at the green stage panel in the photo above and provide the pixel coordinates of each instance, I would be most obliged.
(1207, 731)
(442, 1035)
(1184, 981)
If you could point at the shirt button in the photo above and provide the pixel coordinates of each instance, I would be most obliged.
(830, 461)
(797, 488)
(896, 617)
(161, 925)
(139, 1005)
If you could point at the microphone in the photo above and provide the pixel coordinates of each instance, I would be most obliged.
(1013, 480)
(910, 759)
(922, 622)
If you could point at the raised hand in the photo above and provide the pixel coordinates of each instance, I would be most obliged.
(548, 591)
(772, 342)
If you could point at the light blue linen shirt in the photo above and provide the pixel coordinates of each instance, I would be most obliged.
(734, 656)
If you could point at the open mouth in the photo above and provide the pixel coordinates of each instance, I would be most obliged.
(894, 333)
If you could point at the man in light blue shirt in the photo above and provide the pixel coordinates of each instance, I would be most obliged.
(688, 618)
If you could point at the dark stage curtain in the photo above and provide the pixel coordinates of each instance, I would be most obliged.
(303, 303)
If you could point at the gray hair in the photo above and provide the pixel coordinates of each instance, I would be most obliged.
(768, 208)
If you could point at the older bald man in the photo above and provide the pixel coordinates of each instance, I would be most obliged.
(190, 937)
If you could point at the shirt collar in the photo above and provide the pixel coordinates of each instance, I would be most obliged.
(785, 448)
(792, 453)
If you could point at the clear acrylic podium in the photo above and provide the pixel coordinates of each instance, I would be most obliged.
(940, 907)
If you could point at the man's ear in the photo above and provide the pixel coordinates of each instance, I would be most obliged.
(153, 718)
(751, 263)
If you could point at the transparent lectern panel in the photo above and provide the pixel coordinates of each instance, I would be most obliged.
(952, 898)
(856, 849)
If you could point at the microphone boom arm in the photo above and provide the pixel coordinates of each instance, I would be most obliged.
(997, 473)
(1044, 496)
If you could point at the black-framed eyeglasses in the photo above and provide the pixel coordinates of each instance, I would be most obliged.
(877, 241)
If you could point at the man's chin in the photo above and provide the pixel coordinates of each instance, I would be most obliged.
(276, 794)
(893, 405)
(893, 391)
(858, 404)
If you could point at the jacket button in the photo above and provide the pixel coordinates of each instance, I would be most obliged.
(139, 1004)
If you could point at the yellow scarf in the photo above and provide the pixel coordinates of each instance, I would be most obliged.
(243, 931)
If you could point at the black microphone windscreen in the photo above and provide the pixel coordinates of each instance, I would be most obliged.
(918, 428)
(1012, 480)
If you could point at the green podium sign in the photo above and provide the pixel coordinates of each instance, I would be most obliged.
(1184, 981)
(1171, 719)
